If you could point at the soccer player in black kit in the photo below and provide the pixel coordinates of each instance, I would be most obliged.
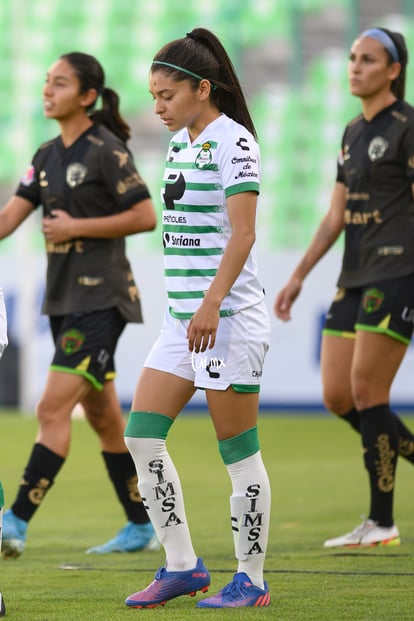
(370, 322)
(92, 197)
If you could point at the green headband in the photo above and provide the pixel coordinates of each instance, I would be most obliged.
(187, 71)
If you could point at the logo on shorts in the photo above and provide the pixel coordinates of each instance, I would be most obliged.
(211, 365)
(408, 314)
(372, 300)
(72, 341)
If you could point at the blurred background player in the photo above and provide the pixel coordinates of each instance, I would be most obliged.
(2, 604)
(3, 324)
(3, 345)
(92, 197)
(370, 322)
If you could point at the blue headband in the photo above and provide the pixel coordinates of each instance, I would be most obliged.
(385, 39)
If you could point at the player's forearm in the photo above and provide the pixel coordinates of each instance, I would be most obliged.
(324, 239)
(138, 219)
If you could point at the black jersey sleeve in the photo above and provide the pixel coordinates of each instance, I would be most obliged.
(121, 175)
(29, 186)
(408, 150)
(340, 175)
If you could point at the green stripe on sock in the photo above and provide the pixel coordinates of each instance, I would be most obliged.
(239, 447)
(148, 425)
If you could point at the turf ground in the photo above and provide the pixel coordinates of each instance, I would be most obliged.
(319, 490)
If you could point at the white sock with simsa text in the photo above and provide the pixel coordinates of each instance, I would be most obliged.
(161, 492)
(250, 515)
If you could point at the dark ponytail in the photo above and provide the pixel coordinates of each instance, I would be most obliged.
(91, 75)
(202, 56)
(110, 116)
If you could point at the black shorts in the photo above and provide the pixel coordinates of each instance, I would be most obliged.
(386, 307)
(85, 344)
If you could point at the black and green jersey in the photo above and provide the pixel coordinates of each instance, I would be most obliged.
(94, 177)
(376, 165)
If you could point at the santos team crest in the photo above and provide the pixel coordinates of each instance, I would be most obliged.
(204, 156)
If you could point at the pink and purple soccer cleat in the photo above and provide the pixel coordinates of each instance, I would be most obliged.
(170, 584)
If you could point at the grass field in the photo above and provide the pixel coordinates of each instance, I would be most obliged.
(319, 490)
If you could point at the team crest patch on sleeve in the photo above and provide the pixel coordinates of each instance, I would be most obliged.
(28, 176)
(75, 174)
(204, 156)
(72, 341)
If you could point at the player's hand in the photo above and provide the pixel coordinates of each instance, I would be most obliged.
(58, 227)
(202, 329)
(285, 298)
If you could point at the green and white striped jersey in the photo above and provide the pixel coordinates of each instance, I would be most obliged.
(198, 178)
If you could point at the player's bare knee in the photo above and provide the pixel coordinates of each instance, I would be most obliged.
(336, 403)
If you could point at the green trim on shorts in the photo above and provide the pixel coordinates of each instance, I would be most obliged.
(223, 313)
(148, 425)
(380, 330)
(246, 387)
(341, 333)
(239, 447)
(97, 385)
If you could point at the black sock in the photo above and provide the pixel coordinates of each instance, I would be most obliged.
(38, 478)
(353, 418)
(121, 470)
(379, 432)
(406, 438)
(406, 441)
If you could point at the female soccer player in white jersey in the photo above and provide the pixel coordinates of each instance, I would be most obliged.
(215, 332)
(370, 322)
(92, 197)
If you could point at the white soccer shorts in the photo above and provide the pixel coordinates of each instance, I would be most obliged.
(236, 358)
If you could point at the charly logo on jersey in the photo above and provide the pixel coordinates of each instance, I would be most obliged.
(243, 144)
(75, 174)
(204, 156)
(377, 147)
